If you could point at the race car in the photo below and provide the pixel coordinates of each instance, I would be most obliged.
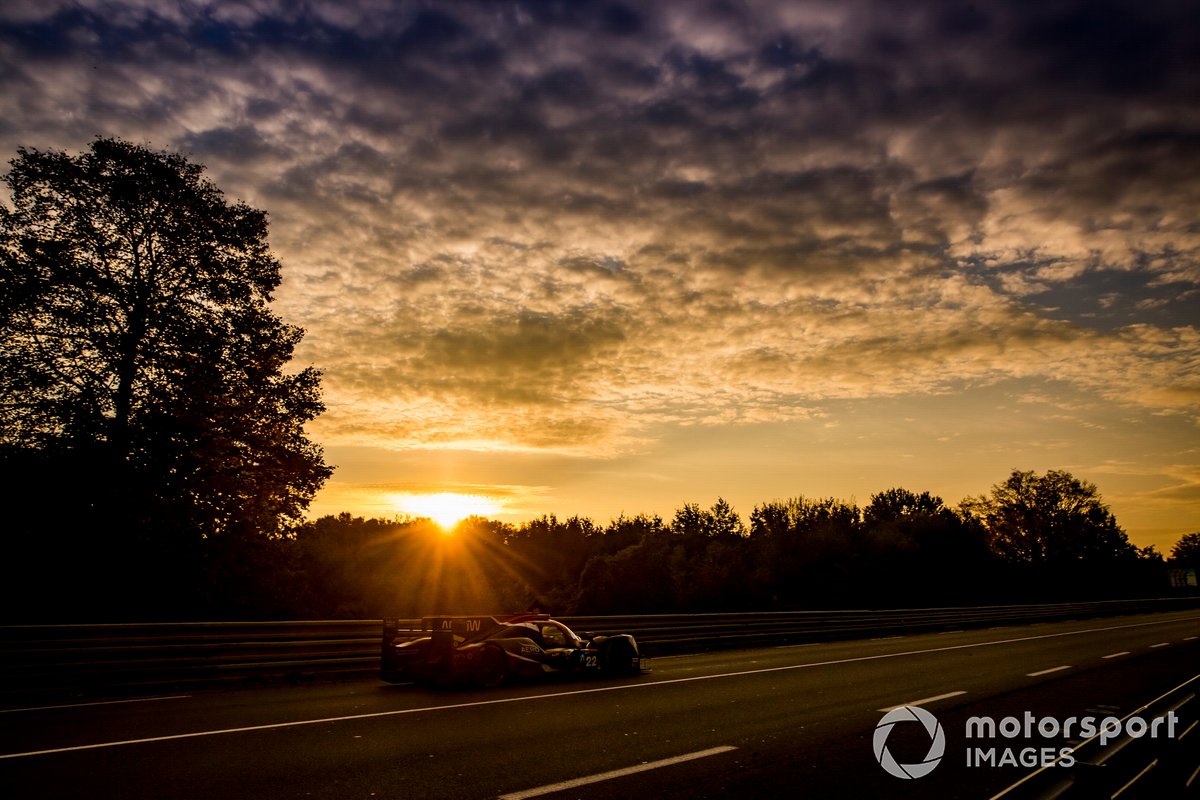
(487, 651)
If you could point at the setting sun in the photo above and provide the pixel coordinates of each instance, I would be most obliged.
(447, 509)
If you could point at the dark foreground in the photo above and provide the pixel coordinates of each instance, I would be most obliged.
(790, 721)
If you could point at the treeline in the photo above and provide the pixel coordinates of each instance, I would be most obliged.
(1033, 538)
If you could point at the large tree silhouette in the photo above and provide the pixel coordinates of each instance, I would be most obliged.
(142, 372)
(1053, 519)
(1186, 552)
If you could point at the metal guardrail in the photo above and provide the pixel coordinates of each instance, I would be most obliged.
(1156, 760)
(681, 633)
(56, 659)
(111, 657)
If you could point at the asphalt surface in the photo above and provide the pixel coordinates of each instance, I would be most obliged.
(788, 721)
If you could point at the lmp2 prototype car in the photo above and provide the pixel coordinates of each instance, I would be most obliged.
(487, 651)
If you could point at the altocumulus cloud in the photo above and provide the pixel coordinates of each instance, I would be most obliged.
(556, 226)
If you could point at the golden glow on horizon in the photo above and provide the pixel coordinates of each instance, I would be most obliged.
(447, 509)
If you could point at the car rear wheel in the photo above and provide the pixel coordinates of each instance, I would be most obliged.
(493, 667)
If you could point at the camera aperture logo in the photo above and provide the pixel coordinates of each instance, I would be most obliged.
(937, 746)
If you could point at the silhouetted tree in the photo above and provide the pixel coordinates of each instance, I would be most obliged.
(724, 522)
(1051, 519)
(139, 359)
(1186, 552)
(809, 551)
(637, 580)
(625, 531)
(919, 552)
(893, 504)
(552, 553)
(719, 521)
(1060, 540)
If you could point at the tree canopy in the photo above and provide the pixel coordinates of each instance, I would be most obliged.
(1053, 518)
(1186, 551)
(142, 372)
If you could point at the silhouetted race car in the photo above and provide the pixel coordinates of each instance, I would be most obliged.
(488, 650)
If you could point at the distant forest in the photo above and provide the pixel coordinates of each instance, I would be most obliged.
(1033, 538)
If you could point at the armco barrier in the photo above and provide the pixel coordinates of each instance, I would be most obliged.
(1163, 761)
(662, 634)
(92, 659)
(100, 658)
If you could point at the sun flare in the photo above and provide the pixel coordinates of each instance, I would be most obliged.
(447, 509)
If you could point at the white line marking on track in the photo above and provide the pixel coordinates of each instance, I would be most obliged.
(1189, 638)
(574, 692)
(1188, 785)
(1160, 644)
(921, 702)
(1042, 672)
(616, 773)
(98, 703)
(1116, 655)
(1182, 703)
(1136, 778)
(1054, 763)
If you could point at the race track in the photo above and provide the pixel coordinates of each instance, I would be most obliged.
(773, 722)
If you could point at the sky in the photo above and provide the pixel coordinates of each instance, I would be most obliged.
(595, 258)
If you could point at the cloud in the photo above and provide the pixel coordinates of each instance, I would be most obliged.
(559, 226)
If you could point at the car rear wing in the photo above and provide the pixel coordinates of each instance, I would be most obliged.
(460, 627)
(466, 627)
(447, 628)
